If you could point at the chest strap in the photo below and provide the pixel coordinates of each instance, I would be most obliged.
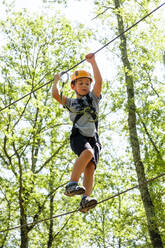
(92, 112)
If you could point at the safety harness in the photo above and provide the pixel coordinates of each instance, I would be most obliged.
(92, 112)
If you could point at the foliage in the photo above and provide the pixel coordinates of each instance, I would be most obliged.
(34, 152)
(35, 130)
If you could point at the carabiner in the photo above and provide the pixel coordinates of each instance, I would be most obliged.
(62, 80)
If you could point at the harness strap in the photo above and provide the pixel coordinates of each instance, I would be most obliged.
(92, 112)
(78, 116)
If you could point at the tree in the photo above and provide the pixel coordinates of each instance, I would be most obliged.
(35, 130)
(145, 195)
(130, 79)
(121, 221)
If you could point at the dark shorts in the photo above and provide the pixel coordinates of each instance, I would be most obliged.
(79, 143)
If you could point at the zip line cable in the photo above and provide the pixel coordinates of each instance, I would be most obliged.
(64, 72)
(77, 210)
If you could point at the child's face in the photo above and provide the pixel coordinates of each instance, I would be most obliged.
(82, 86)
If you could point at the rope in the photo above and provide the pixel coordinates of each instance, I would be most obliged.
(76, 210)
(136, 23)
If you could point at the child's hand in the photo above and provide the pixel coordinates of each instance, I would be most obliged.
(90, 57)
(56, 78)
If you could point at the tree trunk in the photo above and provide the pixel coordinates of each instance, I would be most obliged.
(23, 220)
(145, 195)
(50, 240)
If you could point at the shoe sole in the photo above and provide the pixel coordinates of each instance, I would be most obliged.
(76, 192)
(90, 205)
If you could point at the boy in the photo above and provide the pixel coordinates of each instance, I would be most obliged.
(84, 139)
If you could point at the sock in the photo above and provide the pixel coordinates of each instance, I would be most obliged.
(84, 196)
(72, 182)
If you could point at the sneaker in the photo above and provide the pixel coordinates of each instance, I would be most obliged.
(74, 189)
(87, 203)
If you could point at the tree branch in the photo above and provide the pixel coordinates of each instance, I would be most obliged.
(52, 156)
(106, 8)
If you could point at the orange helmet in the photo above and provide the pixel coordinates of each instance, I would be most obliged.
(80, 74)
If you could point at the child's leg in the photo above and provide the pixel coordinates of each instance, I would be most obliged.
(81, 164)
(87, 202)
(89, 178)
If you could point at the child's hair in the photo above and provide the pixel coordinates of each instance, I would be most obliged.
(73, 82)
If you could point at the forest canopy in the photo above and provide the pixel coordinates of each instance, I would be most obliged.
(35, 155)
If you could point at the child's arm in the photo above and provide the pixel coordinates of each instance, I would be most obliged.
(97, 75)
(55, 93)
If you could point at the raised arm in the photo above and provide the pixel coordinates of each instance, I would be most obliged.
(55, 92)
(96, 72)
